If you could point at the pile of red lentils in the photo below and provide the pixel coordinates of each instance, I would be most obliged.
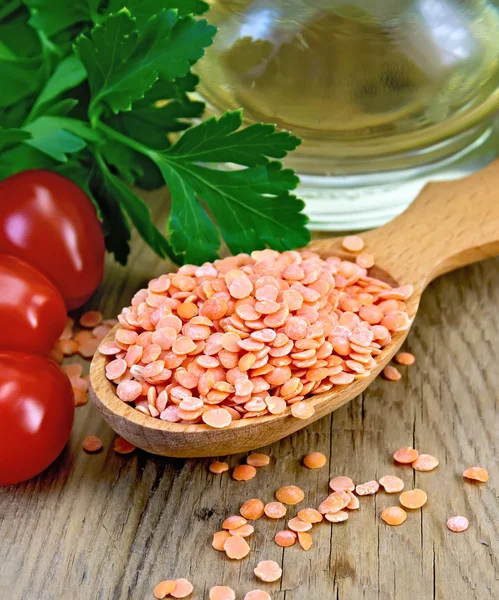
(252, 335)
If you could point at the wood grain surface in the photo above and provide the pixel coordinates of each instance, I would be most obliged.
(109, 527)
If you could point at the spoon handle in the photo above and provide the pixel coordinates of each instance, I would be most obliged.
(450, 224)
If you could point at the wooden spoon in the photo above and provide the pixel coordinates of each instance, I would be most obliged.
(451, 224)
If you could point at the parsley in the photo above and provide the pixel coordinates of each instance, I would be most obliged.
(101, 91)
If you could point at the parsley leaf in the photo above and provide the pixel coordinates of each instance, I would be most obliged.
(252, 206)
(143, 10)
(11, 137)
(51, 16)
(122, 64)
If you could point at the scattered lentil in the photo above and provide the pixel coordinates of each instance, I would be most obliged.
(337, 517)
(122, 446)
(391, 373)
(310, 515)
(164, 589)
(218, 467)
(243, 531)
(91, 319)
(405, 358)
(257, 595)
(234, 522)
(391, 484)
(477, 473)
(305, 540)
(285, 538)
(222, 592)
(314, 460)
(258, 460)
(366, 489)
(253, 509)
(296, 524)
(243, 472)
(236, 547)
(275, 510)
(340, 483)
(425, 462)
(394, 515)
(413, 499)
(458, 524)
(92, 444)
(219, 540)
(268, 571)
(289, 494)
(183, 588)
(354, 503)
(406, 455)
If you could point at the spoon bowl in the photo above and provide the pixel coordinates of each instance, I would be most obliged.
(450, 224)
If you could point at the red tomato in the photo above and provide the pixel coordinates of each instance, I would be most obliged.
(48, 221)
(32, 311)
(36, 415)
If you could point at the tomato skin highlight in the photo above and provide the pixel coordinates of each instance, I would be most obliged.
(36, 415)
(48, 221)
(32, 311)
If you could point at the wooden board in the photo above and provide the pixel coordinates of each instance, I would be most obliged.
(109, 527)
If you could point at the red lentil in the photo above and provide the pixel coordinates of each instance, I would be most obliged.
(92, 444)
(243, 472)
(257, 595)
(413, 499)
(391, 484)
(219, 540)
(275, 510)
(289, 494)
(252, 509)
(296, 524)
(476, 473)
(258, 460)
(337, 517)
(218, 467)
(243, 531)
(342, 483)
(222, 592)
(394, 515)
(268, 571)
(234, 522)
(164, 589)
(406, 455)
(314, 460)
(285, 538)
(405, 358)
(391, 373)
(122, 446)
(310, 515)
(425, 462)
(366, 489)
(458, 524)
(236, 547)
(305, 540)
(183, 588)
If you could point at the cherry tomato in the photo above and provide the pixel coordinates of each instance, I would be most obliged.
(48, 221)
(32, 311)
(36, 415)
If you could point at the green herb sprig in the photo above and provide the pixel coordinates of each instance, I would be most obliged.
(95, 89)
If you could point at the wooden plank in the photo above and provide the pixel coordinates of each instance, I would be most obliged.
(111, 527)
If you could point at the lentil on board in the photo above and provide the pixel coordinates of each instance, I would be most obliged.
(250, 335)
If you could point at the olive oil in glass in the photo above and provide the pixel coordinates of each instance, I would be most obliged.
(386, 94)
